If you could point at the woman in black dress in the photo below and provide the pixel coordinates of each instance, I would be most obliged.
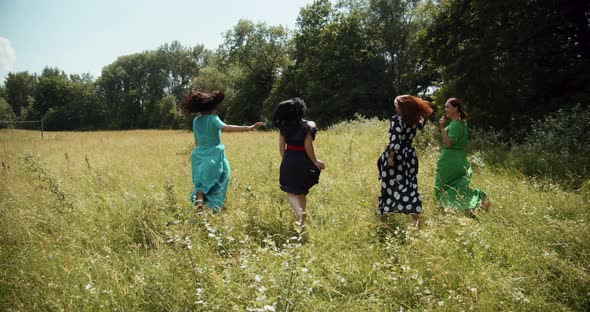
(398, 165)
(300, 169)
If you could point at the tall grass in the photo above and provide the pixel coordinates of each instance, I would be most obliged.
(101, 221)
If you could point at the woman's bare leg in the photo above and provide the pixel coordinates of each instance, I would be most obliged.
(298, 204)
(199, 202)
(303, 200)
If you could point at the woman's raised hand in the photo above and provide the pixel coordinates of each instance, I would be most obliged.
(390, 159)
(256, 125)
(442, 120)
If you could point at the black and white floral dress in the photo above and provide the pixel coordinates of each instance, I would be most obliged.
(399, 183)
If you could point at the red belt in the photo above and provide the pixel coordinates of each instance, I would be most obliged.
(300, 148)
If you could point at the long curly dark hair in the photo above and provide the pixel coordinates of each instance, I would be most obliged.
(411, 108)
(196, 101)
(289, 114)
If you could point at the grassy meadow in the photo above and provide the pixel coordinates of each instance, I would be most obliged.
(100, 221)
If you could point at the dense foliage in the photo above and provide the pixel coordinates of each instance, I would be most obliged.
(509, 60)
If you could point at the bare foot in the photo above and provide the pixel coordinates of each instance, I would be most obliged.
(485, 204)
(200, 206)
(302, 228)
(416, 221)
(303, 217)
(302, 235)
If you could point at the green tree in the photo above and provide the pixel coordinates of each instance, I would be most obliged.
(181, 64)
(355, 57)
(325, 60)
(218, 77)
(168, 116)
(67, 103)
(511, 60)
(19, 89)
(134, 85)
(396, 27)
(261, 53)
(6, 113)
(86, 105)
(52, 92)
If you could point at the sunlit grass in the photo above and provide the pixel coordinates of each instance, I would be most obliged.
(101, 221)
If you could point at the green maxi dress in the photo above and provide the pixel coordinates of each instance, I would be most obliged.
(210, 168)
(453, 172)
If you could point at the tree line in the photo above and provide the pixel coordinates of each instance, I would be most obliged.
(509, 61)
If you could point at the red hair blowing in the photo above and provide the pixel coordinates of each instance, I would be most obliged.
(411, 108)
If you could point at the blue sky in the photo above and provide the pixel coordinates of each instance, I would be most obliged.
(84, 36)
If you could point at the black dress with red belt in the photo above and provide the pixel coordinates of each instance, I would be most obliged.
(297, 173)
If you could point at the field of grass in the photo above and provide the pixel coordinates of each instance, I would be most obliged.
(101, 221)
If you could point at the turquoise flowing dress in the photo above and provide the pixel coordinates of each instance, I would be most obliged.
(210, 168)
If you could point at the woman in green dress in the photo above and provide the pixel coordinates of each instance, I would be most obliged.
(210, 168)
(453, 172)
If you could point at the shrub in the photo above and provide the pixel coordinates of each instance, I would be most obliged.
(564, 132)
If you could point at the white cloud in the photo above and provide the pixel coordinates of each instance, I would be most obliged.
(7, 56)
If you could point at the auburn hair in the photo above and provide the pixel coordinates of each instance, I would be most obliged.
(411, 108)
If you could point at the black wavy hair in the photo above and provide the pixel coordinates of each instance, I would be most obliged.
(289, 114)
(196, 101)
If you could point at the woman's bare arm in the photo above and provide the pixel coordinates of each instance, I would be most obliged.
(311, 153)
(282, 144)
(232, 128)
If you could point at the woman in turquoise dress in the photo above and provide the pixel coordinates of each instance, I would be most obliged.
(453, 172)
(210, 168)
